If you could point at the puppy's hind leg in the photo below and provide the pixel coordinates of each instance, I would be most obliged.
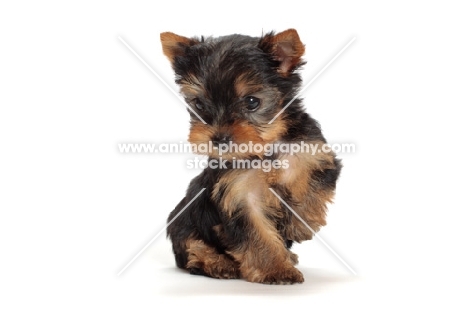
(206, 260)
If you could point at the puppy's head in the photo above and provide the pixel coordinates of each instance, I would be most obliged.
(235, 85)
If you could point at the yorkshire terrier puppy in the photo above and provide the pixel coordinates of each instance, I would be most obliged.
(238, 228)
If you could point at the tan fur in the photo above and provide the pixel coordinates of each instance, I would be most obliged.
(264, 259)
(297, 178)
(272, 132)
(191, 87)
(288, 49)
(208, 260)
(245, 86)
(251, 228)
(171, 44)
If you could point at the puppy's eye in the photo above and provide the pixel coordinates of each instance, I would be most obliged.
(252, 103)
(198, 104)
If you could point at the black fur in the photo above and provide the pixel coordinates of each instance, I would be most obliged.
(217, 63)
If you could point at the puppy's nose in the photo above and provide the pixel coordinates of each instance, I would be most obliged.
(221, 139)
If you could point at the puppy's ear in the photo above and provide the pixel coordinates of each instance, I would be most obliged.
(285, 47)
(174, 45)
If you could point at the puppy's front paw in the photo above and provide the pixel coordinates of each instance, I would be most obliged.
(288, 275)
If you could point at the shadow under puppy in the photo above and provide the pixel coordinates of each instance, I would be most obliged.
(237, 228)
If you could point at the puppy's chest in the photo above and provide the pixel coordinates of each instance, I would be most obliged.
(295, 168)
(240, 184)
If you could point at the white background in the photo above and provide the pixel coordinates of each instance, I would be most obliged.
(74, 211)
